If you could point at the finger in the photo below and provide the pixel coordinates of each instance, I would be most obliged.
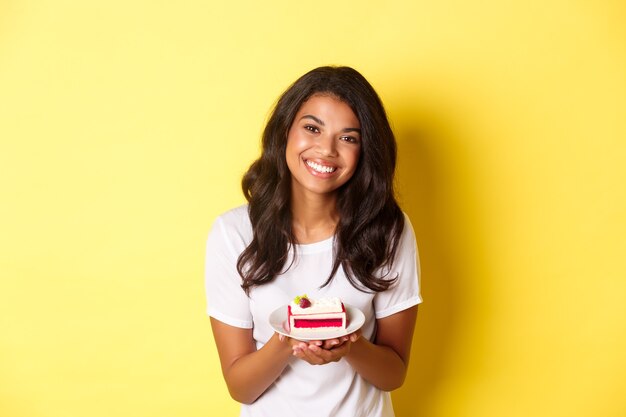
(307, 353)
(315, 355)
(355, 336)
(297, 346)
(332, 355)
(297, 352)
(301, 352)
(331, 343)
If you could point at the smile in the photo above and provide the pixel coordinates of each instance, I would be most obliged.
(322, 169)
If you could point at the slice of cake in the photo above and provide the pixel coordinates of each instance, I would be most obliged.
(308, 316)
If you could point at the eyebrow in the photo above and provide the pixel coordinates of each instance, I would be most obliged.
(319, 121)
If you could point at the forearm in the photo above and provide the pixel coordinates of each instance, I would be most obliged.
(250, 375)
(381, 366)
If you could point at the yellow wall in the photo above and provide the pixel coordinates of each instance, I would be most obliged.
(124, 130)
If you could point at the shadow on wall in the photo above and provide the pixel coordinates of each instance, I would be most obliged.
(432, 180)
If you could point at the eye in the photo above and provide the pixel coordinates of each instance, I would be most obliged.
(350, 139)
(312, 129)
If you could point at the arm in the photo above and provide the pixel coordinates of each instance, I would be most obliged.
(384, 363)
(248, 372)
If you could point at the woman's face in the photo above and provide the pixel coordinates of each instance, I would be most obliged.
(323, 146)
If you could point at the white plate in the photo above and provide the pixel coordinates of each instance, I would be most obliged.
(355, 319)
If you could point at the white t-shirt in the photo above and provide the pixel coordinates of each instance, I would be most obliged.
(334, 389)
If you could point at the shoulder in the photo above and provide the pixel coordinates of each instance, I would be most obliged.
(236, 218)
(407, 239)
(234, 227)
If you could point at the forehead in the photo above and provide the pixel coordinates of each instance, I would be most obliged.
(329, 109)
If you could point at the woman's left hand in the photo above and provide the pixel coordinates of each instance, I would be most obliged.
(320, 352)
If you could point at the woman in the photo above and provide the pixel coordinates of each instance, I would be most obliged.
(321, 219)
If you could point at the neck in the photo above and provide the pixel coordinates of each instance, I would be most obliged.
(314, 217)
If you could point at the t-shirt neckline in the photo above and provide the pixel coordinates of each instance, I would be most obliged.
(316, 247)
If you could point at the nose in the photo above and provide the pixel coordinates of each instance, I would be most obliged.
(326, 146)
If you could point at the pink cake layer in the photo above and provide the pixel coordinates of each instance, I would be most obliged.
(308, 323)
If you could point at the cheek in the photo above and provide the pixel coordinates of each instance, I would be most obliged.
(292, 153)
(296, 143)
(354, 157)
(292, 141)
(291, 145)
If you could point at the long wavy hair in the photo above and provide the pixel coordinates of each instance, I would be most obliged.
(370, 220)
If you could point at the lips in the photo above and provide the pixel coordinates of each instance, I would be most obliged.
(320, 168)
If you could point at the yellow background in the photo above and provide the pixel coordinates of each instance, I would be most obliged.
(125, 127)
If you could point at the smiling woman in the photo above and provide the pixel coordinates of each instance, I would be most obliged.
(323, 147)
(321, 219)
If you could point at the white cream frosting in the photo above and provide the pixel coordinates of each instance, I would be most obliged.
(318, 306)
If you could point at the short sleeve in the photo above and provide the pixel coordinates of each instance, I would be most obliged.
(226, 300)
(405, 292)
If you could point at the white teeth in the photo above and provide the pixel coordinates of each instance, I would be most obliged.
(320, 168)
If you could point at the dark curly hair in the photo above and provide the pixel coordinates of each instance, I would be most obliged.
(370, 220)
